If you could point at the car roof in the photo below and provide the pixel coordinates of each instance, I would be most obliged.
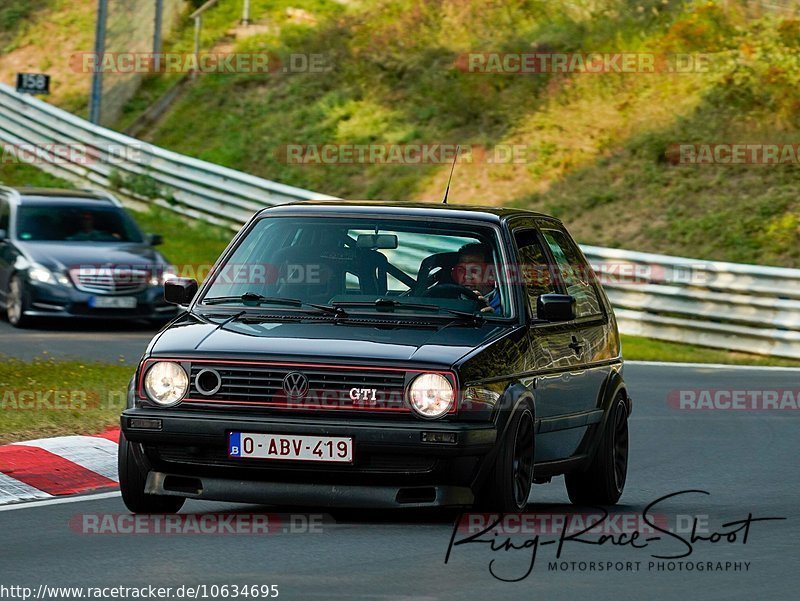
(419, 209)
(32, 195)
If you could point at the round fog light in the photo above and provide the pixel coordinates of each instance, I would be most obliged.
(207, 382)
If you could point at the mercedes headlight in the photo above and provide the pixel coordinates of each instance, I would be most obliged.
(162, 275)
(431, 395)
(40, 273)
(166, 383)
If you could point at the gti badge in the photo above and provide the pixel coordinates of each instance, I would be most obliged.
(363, 394)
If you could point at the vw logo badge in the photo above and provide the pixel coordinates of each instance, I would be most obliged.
(295, 384)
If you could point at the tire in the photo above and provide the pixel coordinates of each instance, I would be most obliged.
(508, 485)
(132, 479)
(603, 481)
(17, 302)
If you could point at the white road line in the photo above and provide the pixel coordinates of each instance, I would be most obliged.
(91, 452)
(12, 491)
(713, 365)
(60, 501)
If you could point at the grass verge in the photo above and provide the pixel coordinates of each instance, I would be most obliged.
(51, 398)
(635, 348)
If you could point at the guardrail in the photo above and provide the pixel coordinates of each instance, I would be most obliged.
(113, 161)
(746, 308)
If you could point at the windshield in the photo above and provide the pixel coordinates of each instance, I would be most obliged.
(75, 223)
(366, 264)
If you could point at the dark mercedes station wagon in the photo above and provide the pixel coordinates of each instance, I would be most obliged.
(77, 254)
(365, 354)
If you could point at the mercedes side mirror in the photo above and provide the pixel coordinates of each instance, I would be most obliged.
(155, 239)
(180, 291)
(555, 307)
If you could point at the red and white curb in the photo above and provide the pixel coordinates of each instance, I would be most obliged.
(50, 467)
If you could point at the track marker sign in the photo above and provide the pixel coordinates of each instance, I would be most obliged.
(33, 83)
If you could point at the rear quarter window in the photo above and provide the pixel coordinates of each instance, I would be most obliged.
(575, 273)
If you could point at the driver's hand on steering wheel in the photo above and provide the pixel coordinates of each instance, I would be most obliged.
(488, 307)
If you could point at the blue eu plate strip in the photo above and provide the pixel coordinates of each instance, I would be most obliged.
(234, 444)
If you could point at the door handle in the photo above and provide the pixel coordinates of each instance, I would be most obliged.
(576, 345)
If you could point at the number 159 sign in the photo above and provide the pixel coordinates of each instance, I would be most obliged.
(33, 83)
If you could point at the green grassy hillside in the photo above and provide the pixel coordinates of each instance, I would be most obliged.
(41, 36)
(596, 145)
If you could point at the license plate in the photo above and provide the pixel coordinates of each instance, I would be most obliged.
(289, 447)
(112, 302)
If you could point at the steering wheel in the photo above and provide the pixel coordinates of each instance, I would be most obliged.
(453, 291)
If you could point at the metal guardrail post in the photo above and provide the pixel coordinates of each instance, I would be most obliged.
(159, 16)
(96, 98)
(198, 26)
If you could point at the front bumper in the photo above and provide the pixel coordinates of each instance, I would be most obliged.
(392, 465)
(47, 300)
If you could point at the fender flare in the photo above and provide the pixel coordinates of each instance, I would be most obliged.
(514, 396)
(613, 386)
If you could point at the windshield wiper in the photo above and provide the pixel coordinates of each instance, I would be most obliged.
(477, 318)
(386, 304)
(253, 299)
(390, 304)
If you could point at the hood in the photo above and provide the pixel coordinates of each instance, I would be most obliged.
(63, 255)
(315, 341)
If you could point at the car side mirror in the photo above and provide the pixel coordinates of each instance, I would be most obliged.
(180, 291)
(3, 234)
(155, 239)
(555, 307)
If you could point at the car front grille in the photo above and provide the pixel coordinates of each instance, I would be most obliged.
(109, 280)
(316, 387)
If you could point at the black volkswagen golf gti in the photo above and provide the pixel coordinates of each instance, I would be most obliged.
(365, 354)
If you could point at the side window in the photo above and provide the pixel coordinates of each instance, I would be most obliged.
(575, 274)
(533, 271)
(4, 215)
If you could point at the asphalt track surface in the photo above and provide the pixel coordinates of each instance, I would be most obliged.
(746, 460)
(77, 339)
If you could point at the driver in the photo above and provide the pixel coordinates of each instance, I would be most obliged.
(475, 269)
(88, 229)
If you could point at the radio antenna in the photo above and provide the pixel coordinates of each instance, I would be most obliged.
(453, 166)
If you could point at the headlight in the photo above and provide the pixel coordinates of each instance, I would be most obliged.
(39, 273)
(166, 383)
(431, 395)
